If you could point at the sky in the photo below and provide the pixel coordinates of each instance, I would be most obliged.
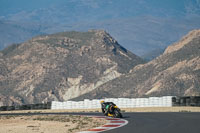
(129, 21)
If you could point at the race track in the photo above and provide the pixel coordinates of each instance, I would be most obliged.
(160, 123)
(152, 122)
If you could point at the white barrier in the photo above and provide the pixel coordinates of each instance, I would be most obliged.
(165, 101)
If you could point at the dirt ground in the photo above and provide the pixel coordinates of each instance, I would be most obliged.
(47, 124)
(66, 123)
(163, 109)
(138, 109)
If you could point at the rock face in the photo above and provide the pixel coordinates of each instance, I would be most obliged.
(61, 66)
(176, 72)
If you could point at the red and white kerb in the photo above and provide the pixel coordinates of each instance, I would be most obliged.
(112, 124)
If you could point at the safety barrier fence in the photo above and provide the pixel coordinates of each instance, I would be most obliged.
(165, 101)
(27, 107)
(186, 101)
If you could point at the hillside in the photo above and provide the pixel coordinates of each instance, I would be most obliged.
(176, 72)
(61, 66)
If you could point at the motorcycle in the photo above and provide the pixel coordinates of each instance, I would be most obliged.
(114, 111)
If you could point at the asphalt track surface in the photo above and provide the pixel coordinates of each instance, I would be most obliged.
(152, 122)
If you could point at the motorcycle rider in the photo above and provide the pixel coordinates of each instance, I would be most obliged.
(105, 107)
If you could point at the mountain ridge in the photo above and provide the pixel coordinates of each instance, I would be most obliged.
(176, 72)
(61, 66)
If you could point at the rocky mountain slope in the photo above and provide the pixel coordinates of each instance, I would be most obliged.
(61, 66)
(176, 72)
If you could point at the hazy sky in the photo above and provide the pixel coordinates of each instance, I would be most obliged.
(129, 21)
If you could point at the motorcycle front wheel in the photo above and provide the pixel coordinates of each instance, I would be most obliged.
(117, 113)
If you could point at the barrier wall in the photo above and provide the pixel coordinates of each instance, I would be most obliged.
(165, 101)
(27, 107)
(186, 101)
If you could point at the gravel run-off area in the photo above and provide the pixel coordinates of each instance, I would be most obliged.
(48, 123)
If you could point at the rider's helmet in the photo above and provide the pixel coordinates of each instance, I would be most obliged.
(102, 101)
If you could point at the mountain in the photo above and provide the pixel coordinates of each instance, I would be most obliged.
(176, 72)
(61, 66)
(13, 32)
(140, 27)
(152, 54)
